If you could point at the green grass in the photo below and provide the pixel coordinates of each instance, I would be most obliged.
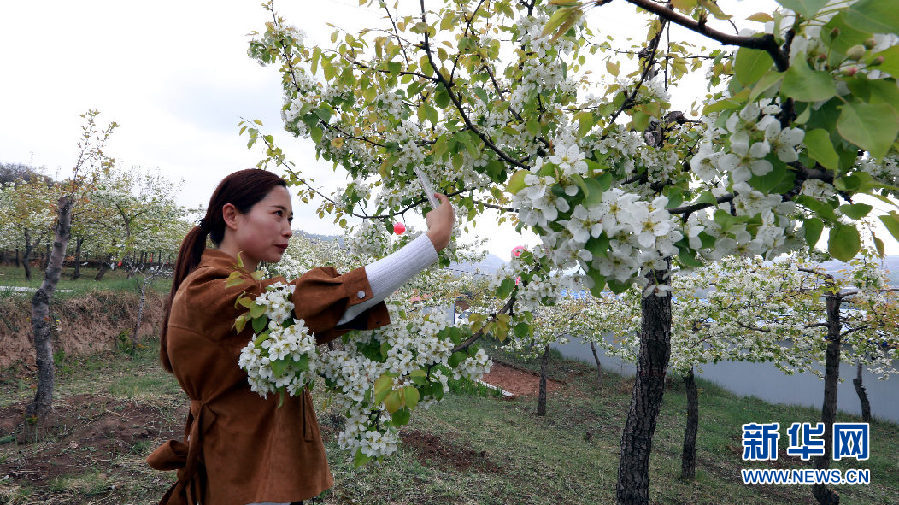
(113, 280)
(485, 450)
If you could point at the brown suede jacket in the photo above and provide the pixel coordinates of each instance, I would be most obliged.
(241, 448)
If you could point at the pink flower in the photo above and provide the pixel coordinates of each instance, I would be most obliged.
(517, 250)
(517, 281)
(399, 228)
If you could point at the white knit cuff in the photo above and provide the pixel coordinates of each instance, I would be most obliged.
(390, 272)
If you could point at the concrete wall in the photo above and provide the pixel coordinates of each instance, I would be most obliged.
(765, 381)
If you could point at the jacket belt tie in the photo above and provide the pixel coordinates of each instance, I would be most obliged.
(186, 458)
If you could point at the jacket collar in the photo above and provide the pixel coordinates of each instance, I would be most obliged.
(218, 259)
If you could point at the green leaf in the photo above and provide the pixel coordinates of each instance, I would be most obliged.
(813, 228)
(393, 401)
(844, 242)
(751, 64)
(593, 193)
(821, 149)
(479, 91)
(890, 61)
(521, 329)
(505, 288)
(771, 181)
(891, 221)
(412, 396)
(259, 323)
(618, 287)
(599, 282)
(855, 210)
(383, 383)
(441, 97)
(688, 258)
(431, 114)
(280, 366)
(879, 245)
(419, 377)
(806, 85)
(707, 197)
(807, 8)
(456, 358)
(873, 127)
(598, 246)
(400, 417)
(876, 16)
(820, 208)
(585, 122)
(516, 182)
(496, 170)
(532, 125)
(316, 133)
(360, 459)
(765, 83)
(324, 113)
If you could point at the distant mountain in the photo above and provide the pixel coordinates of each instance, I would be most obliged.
(488, 265)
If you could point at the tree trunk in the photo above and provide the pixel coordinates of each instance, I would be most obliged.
(688, 456)
(103, 268)
(17, 257)
(77, 273)
(541, 395)
(862, 394)
(46, 263)
(26, 260)
(40, 316)
(598, 365)
(135, 337)
(824, 495)
(646, 400)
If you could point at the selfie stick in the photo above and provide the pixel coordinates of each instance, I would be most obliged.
(426, 185)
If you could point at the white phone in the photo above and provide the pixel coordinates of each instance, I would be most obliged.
(426, 185)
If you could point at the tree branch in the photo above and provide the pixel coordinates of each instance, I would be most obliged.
(426, 45)
(764, 43)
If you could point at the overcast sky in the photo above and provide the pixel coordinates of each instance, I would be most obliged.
(175, 75)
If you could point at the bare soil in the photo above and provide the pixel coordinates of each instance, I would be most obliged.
(84, 325)
(445, 453)
(85, 430)
(518, 382)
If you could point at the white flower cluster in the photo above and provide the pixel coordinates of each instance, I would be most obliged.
(417, 358)
(754, 132)
(369, 240)
(278, 357)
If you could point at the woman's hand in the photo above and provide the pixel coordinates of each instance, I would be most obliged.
(440, 222)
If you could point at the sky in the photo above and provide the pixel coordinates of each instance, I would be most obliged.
(176, 77)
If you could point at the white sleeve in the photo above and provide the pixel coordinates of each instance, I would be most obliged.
(390, 272)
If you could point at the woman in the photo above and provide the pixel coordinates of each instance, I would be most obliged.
(239, 447)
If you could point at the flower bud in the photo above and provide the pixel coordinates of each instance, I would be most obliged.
(856, 52)
(869, 44)
(876, 61)
(849, 72)
(822, 57)
(834, 32)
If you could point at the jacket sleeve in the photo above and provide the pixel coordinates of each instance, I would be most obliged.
(322, 296)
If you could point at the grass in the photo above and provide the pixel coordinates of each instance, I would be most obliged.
(473, 448)
(113, 280)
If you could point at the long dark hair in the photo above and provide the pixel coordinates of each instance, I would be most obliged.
(243, 189)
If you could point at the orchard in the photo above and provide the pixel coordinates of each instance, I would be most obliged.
(501, 104)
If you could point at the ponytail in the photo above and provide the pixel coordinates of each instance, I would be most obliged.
(243, 189)
(188, 258)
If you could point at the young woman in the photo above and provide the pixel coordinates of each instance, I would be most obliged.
(239, 447)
